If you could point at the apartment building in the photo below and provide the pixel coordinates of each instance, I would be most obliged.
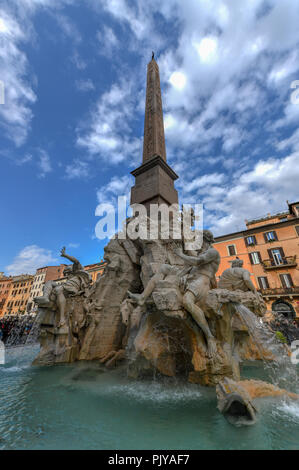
(5, 286)
(269, 248)
(16, 301)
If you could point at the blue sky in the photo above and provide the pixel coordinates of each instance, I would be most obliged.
(72, 123)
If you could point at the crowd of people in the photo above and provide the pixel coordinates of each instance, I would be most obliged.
(288, 327)
(15, 329)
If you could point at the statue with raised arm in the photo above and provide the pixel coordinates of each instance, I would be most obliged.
(77, 280)
(196, 282)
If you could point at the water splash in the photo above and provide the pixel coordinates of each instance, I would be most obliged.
(273, 353)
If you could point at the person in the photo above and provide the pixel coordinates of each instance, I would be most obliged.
(77, 280)
(196, 283)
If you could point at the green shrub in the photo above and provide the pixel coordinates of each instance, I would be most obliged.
(281, 337)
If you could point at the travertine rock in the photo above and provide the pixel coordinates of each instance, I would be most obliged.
(234, 402)
(260, 389)
(235, 399)
(161, 336)
(254, 302)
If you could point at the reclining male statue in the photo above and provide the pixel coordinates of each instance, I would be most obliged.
(77, 281)
(198, 280)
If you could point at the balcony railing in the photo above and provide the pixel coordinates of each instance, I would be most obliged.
(280, 291)
(288, 261)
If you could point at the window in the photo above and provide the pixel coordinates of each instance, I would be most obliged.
(255, 257)
(250, 240)
(270, 236)
(263, 282)
(231, 250)
(277, 256)
(286, 280)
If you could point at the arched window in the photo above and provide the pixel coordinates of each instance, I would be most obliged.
(283, 308)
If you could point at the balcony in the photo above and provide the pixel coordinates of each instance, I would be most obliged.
(280, 291)
(287, 262)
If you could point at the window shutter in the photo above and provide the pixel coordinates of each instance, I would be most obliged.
(254, 240)
(265, 237)
(246, 241)
(275, 235)
(259, 279)
(270, 255)
(267, 282)
(290, 279)
(250, 258)
(282, 281)
(259, 257)
(282, 252)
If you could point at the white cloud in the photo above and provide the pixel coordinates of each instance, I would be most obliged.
(44, 164)
(109, 135)
(16, 30)
(202, 182)
(29, 259)
(77, 169)
(215, 76)
(84, 85)
(117, 186)
(252, 194)
(21, 161)
(68, 27)
(15, 114)
(291, 142)
(178, 80)
(78, 61)
(108, 41)
(207, 49)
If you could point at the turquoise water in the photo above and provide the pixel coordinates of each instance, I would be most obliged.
(81, 406)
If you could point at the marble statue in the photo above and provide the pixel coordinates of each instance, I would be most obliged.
(77, 280)
(236, 278)
(195, 282)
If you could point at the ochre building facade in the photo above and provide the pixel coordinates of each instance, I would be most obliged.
(269, 248)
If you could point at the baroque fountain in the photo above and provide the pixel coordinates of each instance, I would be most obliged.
(144, 356)
(158, 307)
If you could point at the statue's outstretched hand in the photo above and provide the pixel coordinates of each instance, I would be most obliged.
(62, 251)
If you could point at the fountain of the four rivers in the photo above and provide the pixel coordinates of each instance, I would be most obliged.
(148, 355)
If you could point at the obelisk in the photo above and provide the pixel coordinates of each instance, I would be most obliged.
(154, 179)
